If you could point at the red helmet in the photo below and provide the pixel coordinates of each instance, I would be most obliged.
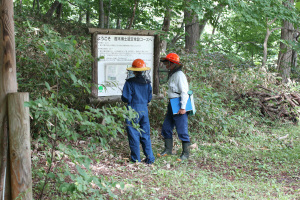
(172, 57)
(138, 65)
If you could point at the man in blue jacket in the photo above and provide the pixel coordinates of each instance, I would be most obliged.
(137, 93)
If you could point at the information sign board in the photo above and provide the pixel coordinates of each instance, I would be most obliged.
(115, 53)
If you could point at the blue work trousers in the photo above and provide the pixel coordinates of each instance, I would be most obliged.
(178, 121)
(135, 138)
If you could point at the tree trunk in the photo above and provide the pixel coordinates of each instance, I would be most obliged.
(268, 33)
(108, 15)
(52, 9)
(192, 30)
(88, 17)
(118, 25)
(8, 80)
(202, 25)
(285, 54)
(21, 5)
(37, 5)
(101, 14)
(133, 14)
(59, 11)
(166, 29)
(294, 52)
(80, 15)
(264, 61)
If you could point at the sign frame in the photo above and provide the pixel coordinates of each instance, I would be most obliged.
(94, 44)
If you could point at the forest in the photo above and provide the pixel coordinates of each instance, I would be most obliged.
(241, 59)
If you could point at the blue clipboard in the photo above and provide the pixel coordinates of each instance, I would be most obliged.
(176, 105)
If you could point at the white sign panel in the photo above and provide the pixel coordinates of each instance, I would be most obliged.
(115, 54)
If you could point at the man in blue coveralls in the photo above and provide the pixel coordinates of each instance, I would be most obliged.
(137, 93)
(177, 87)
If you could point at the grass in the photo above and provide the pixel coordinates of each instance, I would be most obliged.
(237, 154)
(257, 167)
(264, 165)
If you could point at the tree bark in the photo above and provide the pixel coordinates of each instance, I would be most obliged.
(101, 14)
(88, 17)
(37, 5)
(268, 33)
(133, 14)
(166, 29)
(8, 80)
(294, 52)
(108, 15)
(118, 25)
(192, 30)
(80, 15)
(52, 9)
(285, 54)
(59, 11)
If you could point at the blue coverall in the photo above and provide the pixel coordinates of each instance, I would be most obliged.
(137, 93)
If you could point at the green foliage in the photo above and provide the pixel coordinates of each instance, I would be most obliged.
(57, 76)
(215, 89)
(54, 65)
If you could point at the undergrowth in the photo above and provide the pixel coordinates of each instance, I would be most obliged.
(81, 151)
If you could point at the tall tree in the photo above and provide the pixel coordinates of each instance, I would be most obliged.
(101, 14)
(135, 6)
(37, 2)
(268, 33)
(165, 29)
(285, 54)
(52, 9)
(192, 28)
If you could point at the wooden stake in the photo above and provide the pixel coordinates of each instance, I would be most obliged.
(8, 80)
(19, 146)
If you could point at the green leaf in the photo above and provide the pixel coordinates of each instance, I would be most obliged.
(47, 86)
(73, 77)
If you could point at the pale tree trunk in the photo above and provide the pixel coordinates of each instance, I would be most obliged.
(294, 52)
(166, 29)
(8, 80)
(133, 14)
(192, 30)
(101, 14)
(268, 33)
(285, 54)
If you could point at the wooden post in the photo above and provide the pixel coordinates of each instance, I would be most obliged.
(8, 84)
(19, 146)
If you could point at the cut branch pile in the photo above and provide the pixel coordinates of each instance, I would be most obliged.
(284, 105)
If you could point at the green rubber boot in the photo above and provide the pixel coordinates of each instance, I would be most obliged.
(168, 148)
(185, 151)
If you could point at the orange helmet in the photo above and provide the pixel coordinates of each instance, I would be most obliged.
(172, 57)
(138, 65)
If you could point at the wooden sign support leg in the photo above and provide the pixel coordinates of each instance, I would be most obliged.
(19, 146)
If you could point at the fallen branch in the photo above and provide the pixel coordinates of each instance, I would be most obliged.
(275, 105)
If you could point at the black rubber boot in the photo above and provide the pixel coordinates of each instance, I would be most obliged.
(185, 151)
(168, 148)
